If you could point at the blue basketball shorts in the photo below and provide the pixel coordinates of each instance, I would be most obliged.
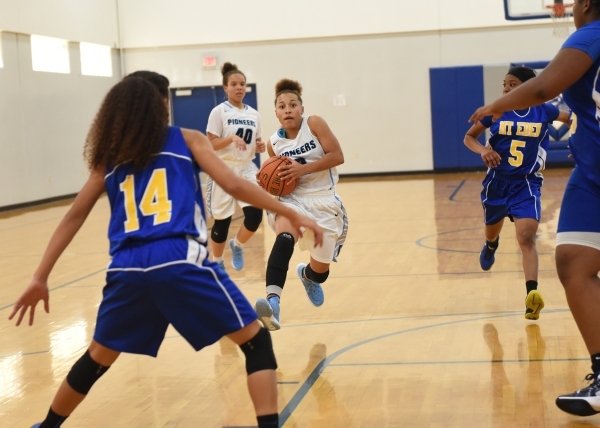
(504, 196)
(580, 208)
(142, 299)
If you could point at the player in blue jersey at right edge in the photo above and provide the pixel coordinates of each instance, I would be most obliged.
(515, 154)
(159, 273)
(574, 72)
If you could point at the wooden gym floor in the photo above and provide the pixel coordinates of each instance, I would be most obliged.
(412, 333)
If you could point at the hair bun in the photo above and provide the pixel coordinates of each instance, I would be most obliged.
(288, 85)
(227, 67)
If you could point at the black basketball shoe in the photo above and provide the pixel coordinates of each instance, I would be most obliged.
(583, 402)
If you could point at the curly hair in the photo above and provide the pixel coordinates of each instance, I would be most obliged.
(131, 125)
(227, 70)
(288, 86)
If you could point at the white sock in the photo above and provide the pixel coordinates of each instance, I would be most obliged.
(217, 259)
(237, 243)
(274, 290)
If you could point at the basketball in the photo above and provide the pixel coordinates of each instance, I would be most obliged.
(268, 179)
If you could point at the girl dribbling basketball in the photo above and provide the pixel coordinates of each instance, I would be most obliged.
(309, 142)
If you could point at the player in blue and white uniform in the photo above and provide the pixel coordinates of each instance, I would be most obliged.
(309, 142)
(515, 154)
(234, 130)
(159, 273)
(574, 72)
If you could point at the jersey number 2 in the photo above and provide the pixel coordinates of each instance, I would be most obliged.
(246, 136)
(517, 159)
(155, 200)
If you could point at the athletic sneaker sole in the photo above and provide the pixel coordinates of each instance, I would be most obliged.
(576, 406)
(265, 315)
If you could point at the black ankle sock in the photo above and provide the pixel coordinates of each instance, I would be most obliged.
(268, 421)
(493, 244)
(596, 364)
(53, 420)
(531, 285)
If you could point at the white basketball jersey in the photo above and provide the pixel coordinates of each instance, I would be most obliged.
(305, 148)
(226, 120)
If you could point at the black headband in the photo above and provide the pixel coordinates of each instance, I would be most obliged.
(522, 73)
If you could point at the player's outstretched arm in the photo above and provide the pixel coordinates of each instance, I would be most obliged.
(566, 68)
(490, 158)
(242, 189)
(69, 226)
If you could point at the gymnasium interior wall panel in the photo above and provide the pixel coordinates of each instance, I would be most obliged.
(455, 94)
(45, 119)
(93, 21)
(156, 23)
(384, 124)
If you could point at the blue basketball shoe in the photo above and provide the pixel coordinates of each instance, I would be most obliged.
(268, 312)
(486, 257)
(583, 402)
(38, 425)
(222, 265)
(238, 256)
(314, 291)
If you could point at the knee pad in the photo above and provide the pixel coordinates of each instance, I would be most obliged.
(314, 276)
(252, 218)
(279, 260)
(84, 373)
(219, 231)
(259, 353)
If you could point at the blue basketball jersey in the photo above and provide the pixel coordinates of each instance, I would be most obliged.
(521, 139)
(164, 200)
(583, 97)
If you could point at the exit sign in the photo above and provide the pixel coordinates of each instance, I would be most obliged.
(209, 61)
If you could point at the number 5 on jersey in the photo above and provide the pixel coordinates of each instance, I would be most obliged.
(155, 200)
(517, 156)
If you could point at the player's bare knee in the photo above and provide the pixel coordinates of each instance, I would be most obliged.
(220, 230)
(84, 373)
(526, 239)
(259, 352)
(252, 218)
(571, 270)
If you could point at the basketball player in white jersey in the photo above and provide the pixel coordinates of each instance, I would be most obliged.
(234, 131)
(316, 152)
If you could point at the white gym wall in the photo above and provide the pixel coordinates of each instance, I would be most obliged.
(376, 54)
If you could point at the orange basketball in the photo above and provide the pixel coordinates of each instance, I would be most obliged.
(268, 179)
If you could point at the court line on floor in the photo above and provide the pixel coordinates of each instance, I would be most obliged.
(462, 183)
(297, 398)
(418, 363)
(419, 242)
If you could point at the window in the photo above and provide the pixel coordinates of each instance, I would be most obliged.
(95, 60)
(50, 54)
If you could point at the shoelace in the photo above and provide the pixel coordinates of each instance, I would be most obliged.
(593, 379)
(237, 251)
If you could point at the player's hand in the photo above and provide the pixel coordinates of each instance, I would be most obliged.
(485, 111)
(291, 172)
(239, 143)
(490, 158)
(260, 146)
(300, 223)
(36, 290)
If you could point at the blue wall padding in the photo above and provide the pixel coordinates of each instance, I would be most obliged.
(456, 92)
